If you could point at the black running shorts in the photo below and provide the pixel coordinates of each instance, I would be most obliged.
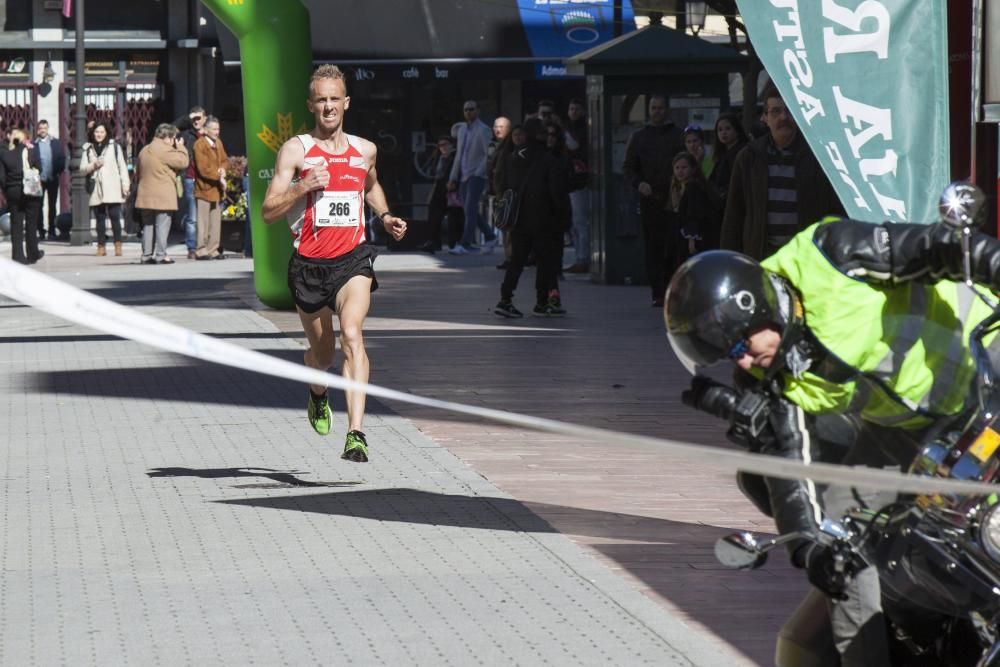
(314, 281)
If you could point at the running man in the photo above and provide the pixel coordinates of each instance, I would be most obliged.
(321, 182)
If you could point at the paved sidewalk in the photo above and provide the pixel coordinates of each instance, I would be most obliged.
(158, 510)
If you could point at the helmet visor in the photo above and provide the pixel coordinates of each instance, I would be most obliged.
(703, 342)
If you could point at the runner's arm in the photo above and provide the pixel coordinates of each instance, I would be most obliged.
(281, 192)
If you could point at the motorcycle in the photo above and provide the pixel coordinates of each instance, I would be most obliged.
(937, 555)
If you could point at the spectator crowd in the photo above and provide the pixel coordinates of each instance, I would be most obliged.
(182, 176)
(694, 189)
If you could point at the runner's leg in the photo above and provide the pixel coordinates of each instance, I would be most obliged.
(353, 301)
(318, 328)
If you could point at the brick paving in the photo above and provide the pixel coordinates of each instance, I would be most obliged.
(202, 442)
(606, 365)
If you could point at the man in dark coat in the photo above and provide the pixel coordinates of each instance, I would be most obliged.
(543, 187)
(192, 128)
(49, 153)
(648, 168)
(777, 187)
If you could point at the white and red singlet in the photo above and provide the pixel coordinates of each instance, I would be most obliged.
(330, 222)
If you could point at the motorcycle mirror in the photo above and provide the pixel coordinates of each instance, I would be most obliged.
(962, 205)
(739, 551)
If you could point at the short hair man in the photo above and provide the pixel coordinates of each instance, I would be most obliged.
(648, 167)
(332, 268)
(777, 187)
(547, 111)
(501, 128)
(210, 163)
(191, 128)
(577, 140)
(468, 176)
(498, 148)
(50, 154)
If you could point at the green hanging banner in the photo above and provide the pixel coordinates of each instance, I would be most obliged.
(867, 83)
(276, 57)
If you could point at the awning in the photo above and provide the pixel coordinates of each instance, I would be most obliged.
(93, 40)
(393, 39)
(654, 49)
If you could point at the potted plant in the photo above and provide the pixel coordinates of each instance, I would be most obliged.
(234, 205)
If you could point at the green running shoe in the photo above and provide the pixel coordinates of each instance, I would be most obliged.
(356, 447)
(319, 415)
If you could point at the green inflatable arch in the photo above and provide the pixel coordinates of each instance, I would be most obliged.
(276, 52)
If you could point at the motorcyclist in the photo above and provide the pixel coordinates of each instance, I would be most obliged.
(849, 318)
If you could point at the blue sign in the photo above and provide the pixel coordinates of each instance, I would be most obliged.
(563, 28)
(553, 71)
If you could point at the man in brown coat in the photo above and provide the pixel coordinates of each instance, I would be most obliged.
(210, 162)
(777, 187)
(156, 169)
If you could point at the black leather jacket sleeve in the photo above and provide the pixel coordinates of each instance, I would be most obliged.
(795, 503)
(897, 252)
(788, 433)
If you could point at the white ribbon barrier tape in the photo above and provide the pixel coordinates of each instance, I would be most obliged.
(75, 305)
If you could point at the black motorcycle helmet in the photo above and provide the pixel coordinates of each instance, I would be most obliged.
(714, 300)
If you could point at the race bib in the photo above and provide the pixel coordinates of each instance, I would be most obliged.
(338, 209)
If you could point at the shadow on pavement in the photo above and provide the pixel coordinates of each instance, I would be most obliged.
(440, 509)
(97, 338)
(190, 381)
(644, 547)
(412, 506)
(283, 479)
(186, 292)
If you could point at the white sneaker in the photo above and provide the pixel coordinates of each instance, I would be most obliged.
(459, 249)
(490, 244)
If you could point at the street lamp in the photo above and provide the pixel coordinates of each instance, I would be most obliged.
(79, 233)
(48, 74)
(694, 11)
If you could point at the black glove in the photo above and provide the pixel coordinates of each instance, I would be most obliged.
(829, 568)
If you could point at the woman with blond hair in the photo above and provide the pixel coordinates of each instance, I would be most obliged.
(25, 209)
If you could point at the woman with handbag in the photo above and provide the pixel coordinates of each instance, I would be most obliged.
(22, 187)
(108, 183)
(542, 185)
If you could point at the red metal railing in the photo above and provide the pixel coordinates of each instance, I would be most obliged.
(128, 108)
(19, 104)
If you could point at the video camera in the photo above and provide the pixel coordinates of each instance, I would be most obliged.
(746, 411)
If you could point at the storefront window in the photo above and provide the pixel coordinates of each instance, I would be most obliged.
(628, 114)
(108, 15)
(16, 15)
